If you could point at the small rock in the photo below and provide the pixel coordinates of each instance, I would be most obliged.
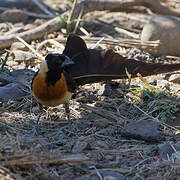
(101, 123)
(4, 27)
(29, 26)
(140, 56)
(177, 146)
(12, 91)
(101, 144)
(12, 15)
(22, 75)
(39, 22)
(22, 56)
(80, 146)
(166, 150)
(19, 46)
(15, 30)
(175, 78)
(110, 157)
(105, 174)
(105, 90)
(167, 30)
(143, 130)
(35, 109)
(162, 83)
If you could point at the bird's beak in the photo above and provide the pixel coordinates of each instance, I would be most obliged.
(68, 61)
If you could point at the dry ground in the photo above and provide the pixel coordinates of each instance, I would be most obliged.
(45, 151)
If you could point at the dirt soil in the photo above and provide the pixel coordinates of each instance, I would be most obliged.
(96, 149)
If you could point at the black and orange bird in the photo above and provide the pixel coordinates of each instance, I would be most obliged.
(60, 74)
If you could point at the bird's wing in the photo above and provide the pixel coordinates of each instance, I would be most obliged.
(91, 65)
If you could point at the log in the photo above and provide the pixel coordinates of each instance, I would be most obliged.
(89, 5)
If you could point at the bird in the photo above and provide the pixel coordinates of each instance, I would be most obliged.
(60, 74)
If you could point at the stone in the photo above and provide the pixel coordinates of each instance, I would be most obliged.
(39, 22)
(143, 130)
(101, 144)
(101, 123)
(22, 56)
(105, 174)
(105, 90)
(175, 78)
(166, 150)
(19, 46)
(4, 27)
(80, 146)
(162, 83)
(14, 30)
(177, 146)
(167, 30)
(12, 15)
(23, 75)
(111, 175)
(12, 91)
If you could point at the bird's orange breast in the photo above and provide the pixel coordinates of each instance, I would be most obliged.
(50, 95)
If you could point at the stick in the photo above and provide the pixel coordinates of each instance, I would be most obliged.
(33, 50)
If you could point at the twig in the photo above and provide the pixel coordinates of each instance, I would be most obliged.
(130, 42)
(78, 21)
(119, 151)
(141, 162)
(124, 31)
(33, 50)
(32, 14)
(125, 6)
(70, 16)
(43, 158)
(84, 31)
(102, 112)
(52, 41)
(97, 172)
(42, 7)
(5, 60)
(97, 43)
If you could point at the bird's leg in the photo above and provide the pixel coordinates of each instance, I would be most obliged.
(40, 114)
(36, 128)
(66, 105)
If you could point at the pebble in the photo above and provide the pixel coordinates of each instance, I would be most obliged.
(105, 174)
(12, 91)
(4, 27)
(143, 130)
(22, 56)
(19, 46)
(80, 146)
(175, 78)
(12, 15)
(104, 90)
(167, 30)
(101, 123)
(166, 150)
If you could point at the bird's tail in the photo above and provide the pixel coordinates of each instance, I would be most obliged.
(91, 65)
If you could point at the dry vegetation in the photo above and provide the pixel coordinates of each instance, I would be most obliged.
(45, 151)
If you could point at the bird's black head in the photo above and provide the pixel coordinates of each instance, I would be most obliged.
(56, 62)
(53, 66)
